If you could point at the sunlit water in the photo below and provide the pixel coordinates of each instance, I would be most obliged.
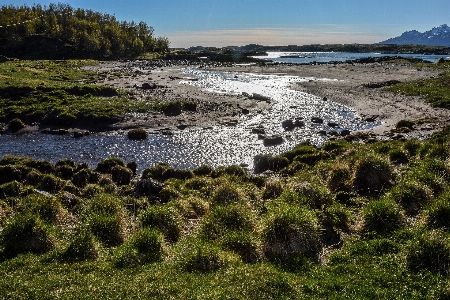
(220, 145)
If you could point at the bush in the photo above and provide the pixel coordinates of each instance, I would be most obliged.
(121, 175)
(404, 124)
(439, 214)
(82, 247)
(224, 219)
(203, 170)
(64, 171)
(10, 173)
(33, 178)
(145, 246)
(305, 193)
(244, 244)
(168, 194)
(160, 172)
(25, 233)
(412, 196)
(412, 146)
(398, 156)
(339, 178)
(197, 183)
(229, 170)
(47, 208)
(164, 218)
(16, 124)
(11, 189)
(291, 231)
(182, 174)
(372, 175)
(85, 177)
(226, 194)
(266, 162)
(51, 184)
(192, 207)
(273, 189)
(91, 190)
(430, 252)
(108, 164)
(338, 216)
(382, 216)
(137, 134)
(204, 258)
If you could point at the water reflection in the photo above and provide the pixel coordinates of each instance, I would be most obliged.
(220, 145)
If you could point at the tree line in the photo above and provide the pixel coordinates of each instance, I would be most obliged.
(60, 30)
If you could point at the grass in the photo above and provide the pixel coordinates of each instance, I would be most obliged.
(434, 90)
(60, 93)
(344, 221)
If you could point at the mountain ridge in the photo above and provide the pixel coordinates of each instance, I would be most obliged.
(437, 36)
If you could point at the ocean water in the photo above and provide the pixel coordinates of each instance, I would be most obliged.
(216, 146)
(308, 57)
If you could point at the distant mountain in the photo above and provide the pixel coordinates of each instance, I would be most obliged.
(438, 36)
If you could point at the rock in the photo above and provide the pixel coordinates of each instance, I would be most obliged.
(322, 132)
(148, 86)
(147, 187)
(324, 98)
(259, 130)
(273, 140)
(231, 123)
(370, 119)
(245, 111)
(260, 97)
(137, 134)
(182, 126)
(333, 124)
(299, 123)
(166, 132)
(345, 132)
(317, 120)
(288, 125)
(80, 134)
(439, 61)
(46, 131)
(261, 136)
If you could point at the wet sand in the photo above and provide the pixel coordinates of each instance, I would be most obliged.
(348, 86)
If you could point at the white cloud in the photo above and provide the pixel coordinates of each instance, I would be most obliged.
(326, 34)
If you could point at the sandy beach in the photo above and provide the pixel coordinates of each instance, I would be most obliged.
(353, 84)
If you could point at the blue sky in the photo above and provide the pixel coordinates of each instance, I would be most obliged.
(277, 22)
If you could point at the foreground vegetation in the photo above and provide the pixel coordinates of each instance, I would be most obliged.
(346, 220)
(61, 31)
(60, 93)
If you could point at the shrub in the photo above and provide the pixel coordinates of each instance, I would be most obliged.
(412, 196)
(192, 207)
(164, 218)
(404, 124)
(273, 189)
(47, 208)
(229, 170)
(244, 244)
(412, 146)
(182, 174)
(197, 183)
(11, 189)
(91, 190)
(64, 171)
(264, 162)
(225, 194)
(83, 246)
(313, 195)
(121, 175)
(137, 134)
(104, 216)
(84, 177)
(290, 231)
(223, 219)
(430, 252)
(132, 165)
(33, 178)
(168, 194)
(204, 258)
(398, 156)
(382, 216)
(10, 173)
(42, 166)
(51, 184)
(108, 164)
(25, 233)
(339, 178)
(439, 214)
(372, 174)
(338, 216)
(145, 246)
(203, 170)
(16, 124)
(160, 172)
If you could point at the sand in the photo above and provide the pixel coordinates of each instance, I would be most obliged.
(347, 85)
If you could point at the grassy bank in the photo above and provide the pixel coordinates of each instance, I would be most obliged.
(60, 93)
(346, 220)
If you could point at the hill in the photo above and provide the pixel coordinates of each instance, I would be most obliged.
(438, 36)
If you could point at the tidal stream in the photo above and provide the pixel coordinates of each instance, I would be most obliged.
(216, 146)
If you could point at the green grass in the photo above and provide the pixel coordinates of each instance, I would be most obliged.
(59, 92)
(436, 91)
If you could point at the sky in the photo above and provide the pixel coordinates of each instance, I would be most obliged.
(221, 23)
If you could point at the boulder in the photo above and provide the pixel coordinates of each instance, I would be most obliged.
(288, 125)
(273, 140)
(333, 124)
(317, 120)
(345, 132)
(299, 123)
(148, 86)
(147, 187)
(258, 130)
(439, 61)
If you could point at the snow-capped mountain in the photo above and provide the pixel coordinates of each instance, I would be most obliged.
(438, 36)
